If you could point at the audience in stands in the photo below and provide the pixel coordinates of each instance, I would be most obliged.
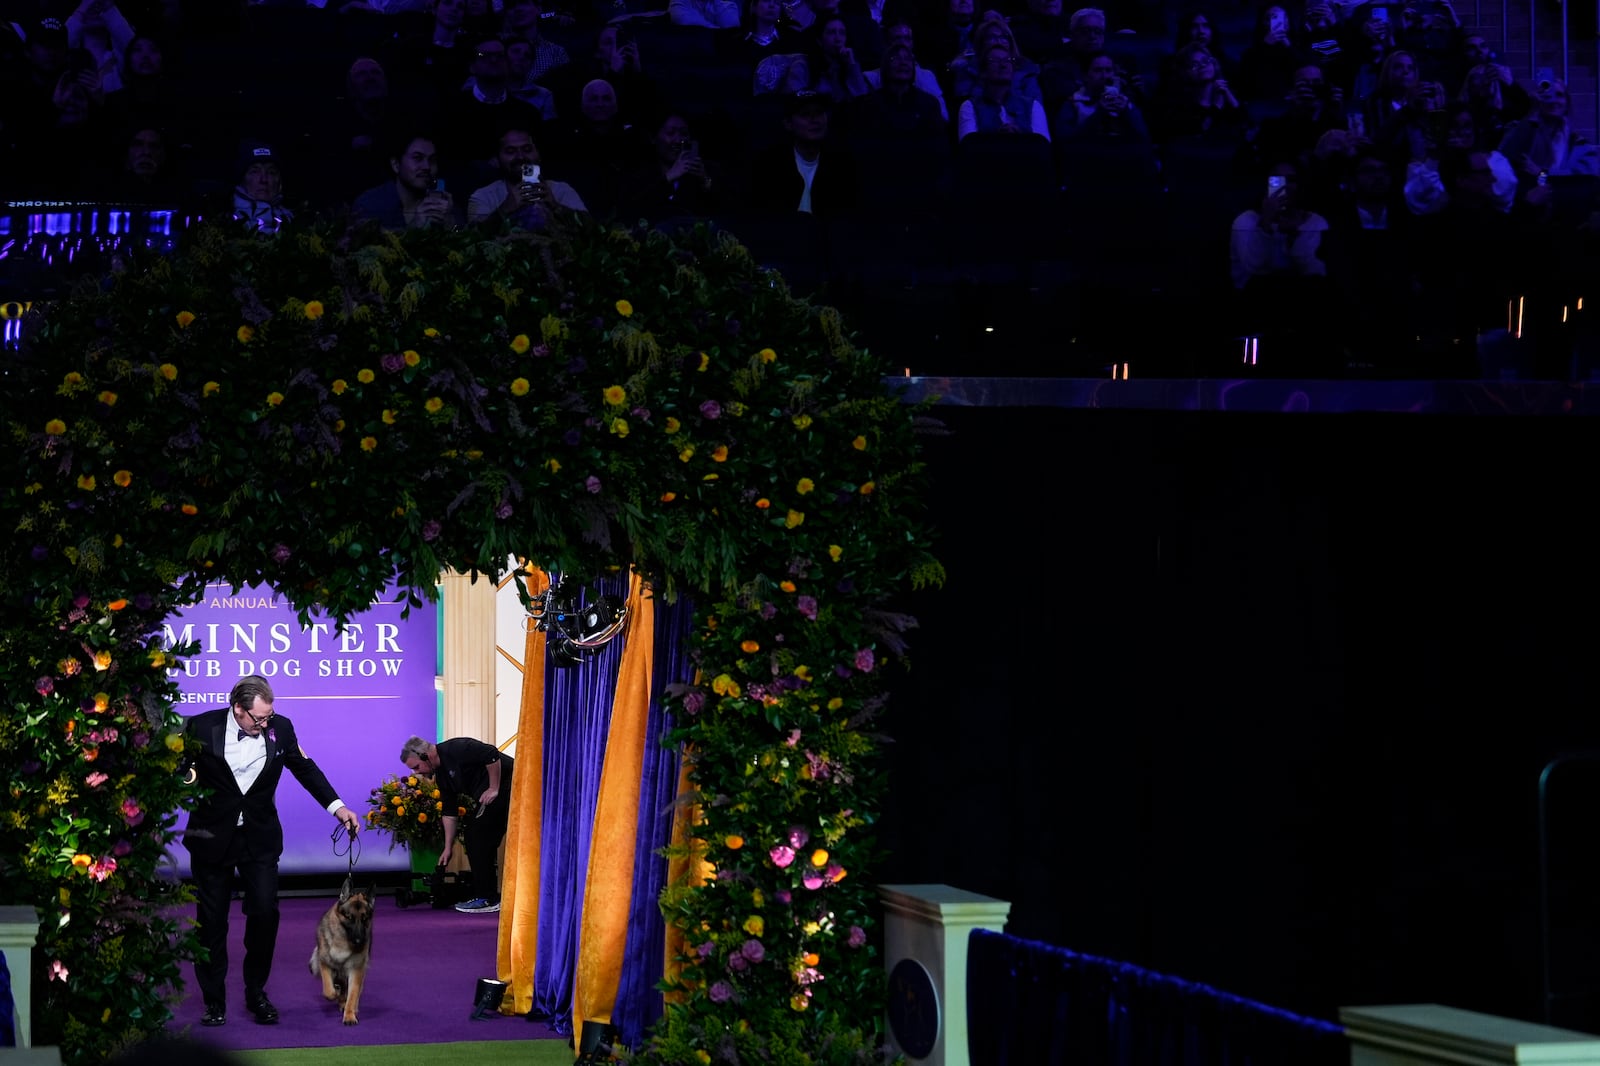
(1415, 171)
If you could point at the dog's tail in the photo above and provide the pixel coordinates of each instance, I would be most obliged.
(314, 951)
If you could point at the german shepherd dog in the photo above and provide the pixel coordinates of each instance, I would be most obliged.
(344, 948)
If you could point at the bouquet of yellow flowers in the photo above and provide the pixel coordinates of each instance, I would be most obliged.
(411, 810)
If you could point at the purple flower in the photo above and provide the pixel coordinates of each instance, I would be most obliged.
(281, 553)
(80, 601)
(783, 896)
(807, 606)
(131, 811)
(592, 483)
(31, 766)
(143, 601)
(641, 413)
(121, 848)
(753, 950)
(865, 660)
(857, 937)
(431, 530)
(577, 364)
(540, 350)
(40, 553)
(393, 362)
(721, 992)
(570, 438)
(693, 701)
(503, 511)
(812, 880)
(798, 836)
(711, 409)
(706, 950)
(781, 856)
(46, 685)
(597, 322)
(768, 610)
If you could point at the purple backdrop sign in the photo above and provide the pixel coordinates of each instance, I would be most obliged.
(354, 697)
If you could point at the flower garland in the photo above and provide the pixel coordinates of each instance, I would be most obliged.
(332, 413)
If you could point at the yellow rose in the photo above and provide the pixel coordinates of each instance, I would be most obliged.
(749, 647)
(705, 361)
(619, 426)
(55, 427)
(86, 482)
(803, 486)
(210, 388)
(520, 343)
(519, 387)
(430, 332)
(819, 858)
(338, 386)
(615, 395)
(793, 518)
(686, 454)
(802, 421)
(108, 398)
(554, 466)
(734, 841)
(365, 377)
(369, 443)
(169, 371)
(835, 552)
(314, 310)
(244, 333)
(671, 425)
(859, 444)
(767, 355)
(720, 454)
(763, 503)
(624, 308)
(411, 357)
(388, 417)
(123, 478)
(274, 399)
(189, 509)
(433, 405)
(668, 497)
(184, 319)
(867, 488)
(755, 925)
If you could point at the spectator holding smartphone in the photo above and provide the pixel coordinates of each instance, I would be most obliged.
(521, 195)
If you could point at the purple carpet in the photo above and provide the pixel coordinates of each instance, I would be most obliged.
(420, 987)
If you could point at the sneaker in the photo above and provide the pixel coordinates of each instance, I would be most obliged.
(478, 906)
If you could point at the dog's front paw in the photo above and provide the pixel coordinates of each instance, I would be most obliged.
(332, 997)
(350, 1019)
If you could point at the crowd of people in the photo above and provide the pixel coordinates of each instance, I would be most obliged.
(1366, 184)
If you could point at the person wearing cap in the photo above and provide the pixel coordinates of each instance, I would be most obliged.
(258, 197)
(806, 173)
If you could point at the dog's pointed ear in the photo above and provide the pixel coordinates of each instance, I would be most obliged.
(372, 892)
(344, 891)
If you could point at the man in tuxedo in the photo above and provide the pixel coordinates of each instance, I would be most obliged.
(241, 751)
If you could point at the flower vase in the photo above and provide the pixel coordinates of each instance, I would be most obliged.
(424, 860)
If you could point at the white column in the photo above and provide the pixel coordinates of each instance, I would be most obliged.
(469, 616)
(19, 928)
(927, 927)
(1430, 1034)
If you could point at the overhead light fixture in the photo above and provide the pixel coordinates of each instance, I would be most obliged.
(573, 627)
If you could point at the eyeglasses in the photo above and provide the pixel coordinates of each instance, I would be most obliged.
(494, 53)
(1201, 64)
(261, 723)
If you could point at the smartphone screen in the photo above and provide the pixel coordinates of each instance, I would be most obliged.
(1276, 183)
(530, 172)
(438, 186)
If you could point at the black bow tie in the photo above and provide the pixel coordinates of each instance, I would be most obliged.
(244, 734)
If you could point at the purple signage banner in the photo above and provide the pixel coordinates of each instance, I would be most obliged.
(354, 697)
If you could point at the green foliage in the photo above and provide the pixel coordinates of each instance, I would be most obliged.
(332, 413)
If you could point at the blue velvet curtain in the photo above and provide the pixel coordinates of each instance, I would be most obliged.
(1041, 1005)
(638, 999)
(577, 718)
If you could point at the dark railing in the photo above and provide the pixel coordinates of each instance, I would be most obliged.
(1036, 1004)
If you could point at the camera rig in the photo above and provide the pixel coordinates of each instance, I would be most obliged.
(573, 627)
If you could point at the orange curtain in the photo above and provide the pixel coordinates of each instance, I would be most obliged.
(687, 869)
(608, 888)
(519, 884)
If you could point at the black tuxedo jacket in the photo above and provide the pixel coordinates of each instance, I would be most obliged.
(213, 823)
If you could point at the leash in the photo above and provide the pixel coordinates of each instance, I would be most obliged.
(352, 851)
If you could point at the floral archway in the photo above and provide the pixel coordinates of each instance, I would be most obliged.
(334, 413)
